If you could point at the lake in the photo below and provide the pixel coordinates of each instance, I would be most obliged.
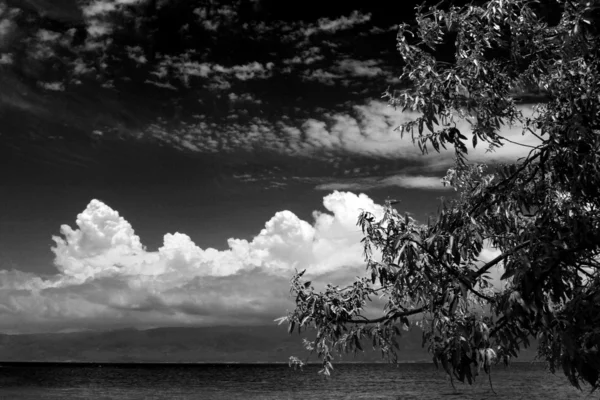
(274, 381)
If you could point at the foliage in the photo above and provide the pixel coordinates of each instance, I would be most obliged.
(540, 212)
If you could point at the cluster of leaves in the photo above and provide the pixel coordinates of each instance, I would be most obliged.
(541, 212)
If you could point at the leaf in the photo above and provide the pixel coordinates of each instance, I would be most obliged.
(456, 356)
(509, 272)
(397, 244)
(467, 373)
(357, 343)
(415, 237)
(453, 305)
(463, 290)
(405, 321)
(445, 364)
(450, 245)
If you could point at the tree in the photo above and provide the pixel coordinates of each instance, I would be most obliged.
(541, 212)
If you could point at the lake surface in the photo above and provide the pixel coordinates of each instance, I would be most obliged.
(274, 381)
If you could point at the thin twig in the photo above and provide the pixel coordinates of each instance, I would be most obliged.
(518, 144)
(490, 379)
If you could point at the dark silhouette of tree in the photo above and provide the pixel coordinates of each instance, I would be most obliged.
(541, 212)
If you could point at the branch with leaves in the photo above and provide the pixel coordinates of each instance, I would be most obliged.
(540, 212)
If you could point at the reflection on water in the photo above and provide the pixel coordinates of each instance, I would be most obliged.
(258, 381)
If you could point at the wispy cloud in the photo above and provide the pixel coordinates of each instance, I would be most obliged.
(53, 86)
(368, 130)
(186, 70)
(335, 25)
(97, 8)
(7, 26)
(361, 68)
(367, 183)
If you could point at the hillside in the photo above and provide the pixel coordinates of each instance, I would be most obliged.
(185, 345)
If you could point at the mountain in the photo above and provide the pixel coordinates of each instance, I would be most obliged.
(187, 345)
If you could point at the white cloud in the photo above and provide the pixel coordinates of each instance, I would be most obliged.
(186, 69)
(342, 23)
(47, 36)
(322, 76)
(366, 130)
(343, 71)
(6, 59)
(306, 56)
(7, 31)
(488, 254)
(136, 54)
(373, 182)
(360, 68)
(53, 86)
(97, 8)
(102, 243)
(222, 16)
(107, 278)
(97, 28)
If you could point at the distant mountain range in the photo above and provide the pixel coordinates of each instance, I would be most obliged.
(187, 345)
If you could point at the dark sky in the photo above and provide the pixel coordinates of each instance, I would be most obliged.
(229, 122)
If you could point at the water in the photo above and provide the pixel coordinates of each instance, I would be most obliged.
(273, 381)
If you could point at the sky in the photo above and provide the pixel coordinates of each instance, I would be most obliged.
(172, 163)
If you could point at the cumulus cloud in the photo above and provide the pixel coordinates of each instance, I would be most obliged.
(107, 278)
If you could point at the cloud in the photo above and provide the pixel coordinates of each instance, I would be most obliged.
(184, 69)
(367, 130)
(306, 56)
(345, 71)
(6, 59)
(360, 68)
(97, 8)
(342, 23)
(373, 182)
(213, 18)
(7, 27)
(53, 86)
(107, 278)
(488, 254)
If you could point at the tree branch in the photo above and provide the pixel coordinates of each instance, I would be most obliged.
(517, 143)
(584, 272)
(501, 257)
(386, 318)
